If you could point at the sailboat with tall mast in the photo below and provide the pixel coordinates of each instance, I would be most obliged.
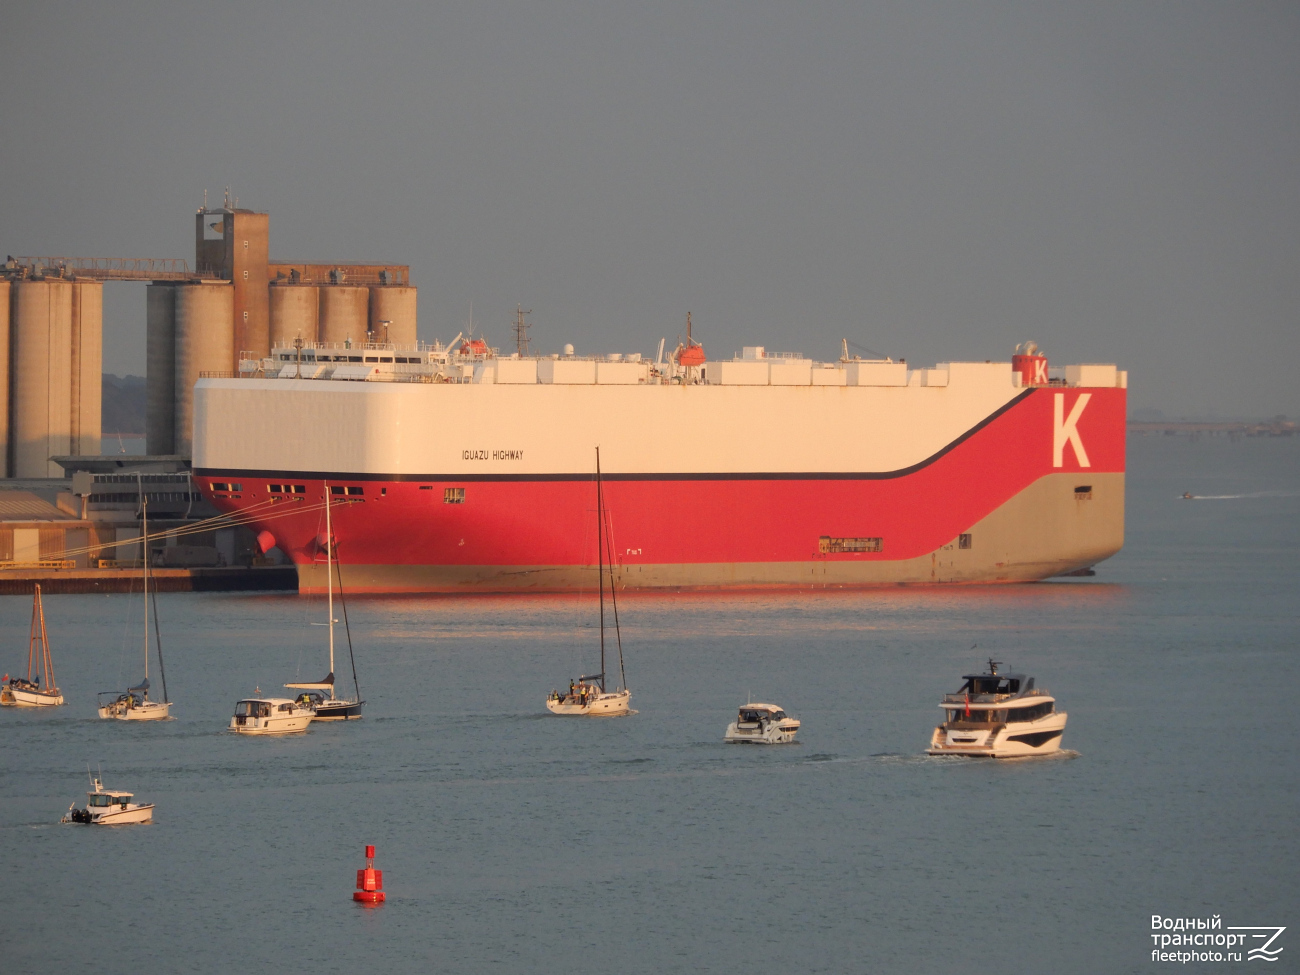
(588, 695)
(29, 693)
(134, 704)
(332, 708)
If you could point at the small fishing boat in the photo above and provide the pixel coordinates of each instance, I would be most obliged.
(762, 724)
(28, 693)
(108, 807)
(331, 708)
(134, 703)
(588, 695)
(996, 715)
(271, 716)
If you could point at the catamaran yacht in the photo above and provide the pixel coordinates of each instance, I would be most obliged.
(108, 807)
(271, 716)
(762, 724)
(996, 715)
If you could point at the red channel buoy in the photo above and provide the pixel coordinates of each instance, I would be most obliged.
(370, 882)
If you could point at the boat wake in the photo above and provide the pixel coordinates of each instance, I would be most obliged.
(1239, 497)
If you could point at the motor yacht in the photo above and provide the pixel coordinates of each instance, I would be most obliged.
(762, 724)
(271, 716)
(108, 807)
(996, 715)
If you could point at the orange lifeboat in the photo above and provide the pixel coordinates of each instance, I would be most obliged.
(690, 355)
(474, 347)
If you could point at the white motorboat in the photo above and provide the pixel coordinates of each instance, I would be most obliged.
(762, 724)
(331, 708)
(997, 715)
(28, 693)
(134, 703)
(588, 695)
(108, 807)
(271, 716)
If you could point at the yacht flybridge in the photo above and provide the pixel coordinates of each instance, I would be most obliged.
(762, 724)
(588, 695)
(331, 708)
(996, 715)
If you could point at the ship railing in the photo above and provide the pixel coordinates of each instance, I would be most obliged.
(995, 698)
(39, 564)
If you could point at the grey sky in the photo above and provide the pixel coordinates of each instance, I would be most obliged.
(1120, 182)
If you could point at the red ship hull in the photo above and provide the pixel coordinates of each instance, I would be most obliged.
(1003, 502)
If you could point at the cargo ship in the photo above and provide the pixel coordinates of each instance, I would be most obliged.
(455, 469)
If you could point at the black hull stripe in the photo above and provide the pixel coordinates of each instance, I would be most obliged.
(748, 476)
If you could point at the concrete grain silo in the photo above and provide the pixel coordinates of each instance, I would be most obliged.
(344, 314)
(396, 304)
(295, 313)
(160, 369)
(41, 336)
(205, 342)
(4, 378)
(87, 372)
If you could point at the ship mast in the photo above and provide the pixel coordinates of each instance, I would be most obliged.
(329, 577)
(521, 330)
(600, 566)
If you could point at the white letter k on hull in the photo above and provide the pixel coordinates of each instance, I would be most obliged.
(1066, 429)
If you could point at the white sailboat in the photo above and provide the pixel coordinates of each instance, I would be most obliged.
(29, 693)
(331, 708)
(588, 696)
(134, 703)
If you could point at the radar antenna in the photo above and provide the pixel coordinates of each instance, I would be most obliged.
(521, 329)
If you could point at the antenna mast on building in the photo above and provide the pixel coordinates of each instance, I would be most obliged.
(521, 329)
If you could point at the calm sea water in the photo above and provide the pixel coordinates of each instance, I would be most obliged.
(512, 841)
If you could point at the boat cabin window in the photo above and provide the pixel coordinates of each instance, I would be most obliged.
(100, 800)
(1033, 713)
(779, 714)
(753, 716)
(977, 716)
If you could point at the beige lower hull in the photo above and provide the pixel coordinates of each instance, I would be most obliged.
(1046, 530)
(1018, 740)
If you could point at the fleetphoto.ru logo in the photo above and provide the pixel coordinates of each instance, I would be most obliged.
(1184, 939)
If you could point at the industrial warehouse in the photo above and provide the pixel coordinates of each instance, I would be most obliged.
(69, 513)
